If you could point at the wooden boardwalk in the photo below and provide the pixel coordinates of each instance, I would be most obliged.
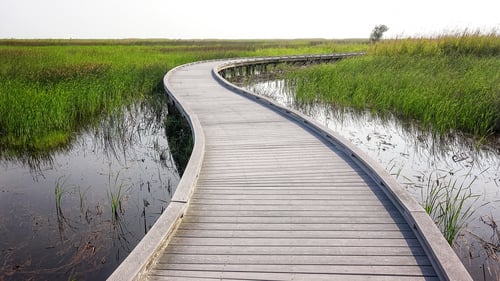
(267, 197)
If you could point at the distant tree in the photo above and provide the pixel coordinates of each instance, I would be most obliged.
(378, 32)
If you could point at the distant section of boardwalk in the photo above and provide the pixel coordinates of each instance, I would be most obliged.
(271, 195)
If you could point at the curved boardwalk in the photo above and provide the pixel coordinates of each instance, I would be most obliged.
(275, 200)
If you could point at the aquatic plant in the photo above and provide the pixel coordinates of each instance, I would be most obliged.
(59, 190)
(117, 189)
(417, 79)
(449, 203)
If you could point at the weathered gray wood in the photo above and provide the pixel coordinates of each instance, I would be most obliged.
(300, 213)
(323, 208)
(186, 225)
(274, 196)
(279, 276)
(289, 260)
(293, 220)
(291, 242)
(292, 202)
(359, 270)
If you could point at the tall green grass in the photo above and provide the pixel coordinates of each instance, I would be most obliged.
(52, 89)
(446, 83)
(449, 203)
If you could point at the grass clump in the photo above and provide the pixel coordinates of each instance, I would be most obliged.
(448, 203)
(59, 190)
(117, 190)
(446, 83)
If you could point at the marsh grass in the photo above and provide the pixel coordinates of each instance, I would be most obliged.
(117, 190)
(59, 190)
(51, 90)
(449, 203)
(446, 84)
(463, 43)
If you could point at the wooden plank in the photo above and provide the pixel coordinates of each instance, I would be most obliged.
(295, 213)
(294, 220)
(364, 191)
(238, 276)
(293, 202)
(360, 270)
(306, 242)
(329, 234)
(284, 226)
(216, 185)
(296, 260)
(295, 250)
(302, 197)
(323, 208)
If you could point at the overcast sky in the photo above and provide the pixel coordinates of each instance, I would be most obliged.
(233, 19)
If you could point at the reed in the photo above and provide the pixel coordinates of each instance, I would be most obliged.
(442, 87)
(50, 90)
(117, 189)
(449, 203)
(59, 190)
(462, 43)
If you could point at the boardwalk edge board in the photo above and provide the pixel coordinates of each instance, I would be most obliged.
(135, 266)
(140, 260)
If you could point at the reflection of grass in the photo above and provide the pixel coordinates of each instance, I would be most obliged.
(448, 203)
(180, 140)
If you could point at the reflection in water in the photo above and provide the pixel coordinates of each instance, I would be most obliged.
(416, 158)
(57, 219)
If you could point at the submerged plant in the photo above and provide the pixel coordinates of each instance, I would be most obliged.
(448, 203)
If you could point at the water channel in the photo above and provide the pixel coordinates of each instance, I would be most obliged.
(419, 160)
(76, 213)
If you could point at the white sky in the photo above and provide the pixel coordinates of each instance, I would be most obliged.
(226, 19)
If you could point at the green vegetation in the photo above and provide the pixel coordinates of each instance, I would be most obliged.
(59, 190)
(50, 90)
(448, 203)
(446, 83)
(117, 190)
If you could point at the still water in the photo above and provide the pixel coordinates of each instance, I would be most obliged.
(419, 159)
(56, 215)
